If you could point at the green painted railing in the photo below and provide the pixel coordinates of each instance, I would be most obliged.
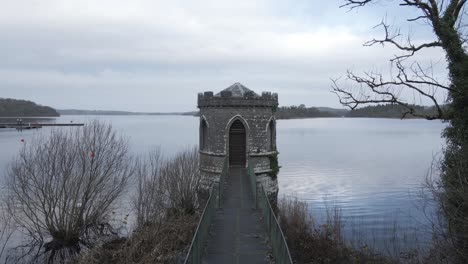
(199, 239)
(253, 182)
(201, 234)
(222, 178)
(278, 242)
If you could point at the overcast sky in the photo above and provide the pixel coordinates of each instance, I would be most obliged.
(151, 55)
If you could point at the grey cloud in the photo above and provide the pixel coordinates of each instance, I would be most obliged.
(156, 55)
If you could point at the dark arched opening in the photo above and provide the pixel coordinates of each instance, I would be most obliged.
(203, 135)
(271, 135)
(237, 144)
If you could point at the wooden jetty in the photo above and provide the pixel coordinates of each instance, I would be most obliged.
(37, 125)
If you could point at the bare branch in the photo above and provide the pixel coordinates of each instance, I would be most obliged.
(354, 4)
(62, 188)
(390, 38)
(180, 180)
(453, 11)
(417, 18)
(374, 89)
(148, 201)
(6, 230)
(428, 10)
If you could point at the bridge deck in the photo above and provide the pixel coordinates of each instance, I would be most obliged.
(237, 234)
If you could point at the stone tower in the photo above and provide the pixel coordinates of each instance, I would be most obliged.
(237, 124)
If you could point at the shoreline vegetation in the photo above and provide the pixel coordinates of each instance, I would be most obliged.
(112, 112)
(23, 108)
(66, 209)
(12, 108)
(64, 191)
(289, 112)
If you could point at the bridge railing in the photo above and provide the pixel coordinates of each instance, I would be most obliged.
(195, 252)
(222, 178)
(278, 242)
(253, 182)
(215, 199)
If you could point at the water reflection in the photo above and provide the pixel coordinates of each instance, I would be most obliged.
(370, 168)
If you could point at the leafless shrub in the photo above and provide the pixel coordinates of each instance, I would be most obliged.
(180, 180)
(148, 200)
(161, 242)
(449, 243)
(166, 203)
(61, 188)
(6, 231)
(313, 243)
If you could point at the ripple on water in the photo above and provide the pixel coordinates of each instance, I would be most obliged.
(369, 168)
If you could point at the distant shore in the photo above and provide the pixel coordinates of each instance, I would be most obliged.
(112, 112)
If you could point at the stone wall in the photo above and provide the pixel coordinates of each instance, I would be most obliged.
(255, 113)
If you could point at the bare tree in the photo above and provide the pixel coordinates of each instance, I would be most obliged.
(149, 200)
(6, 231)
(180, 181)
(165, 202)
(435, 196)
(447, 20)
(61, 188)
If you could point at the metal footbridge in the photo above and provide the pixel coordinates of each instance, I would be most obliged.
(238, 224)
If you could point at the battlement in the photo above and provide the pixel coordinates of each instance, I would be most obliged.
(227, 99)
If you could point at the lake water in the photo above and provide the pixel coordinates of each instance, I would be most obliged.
(372, 169)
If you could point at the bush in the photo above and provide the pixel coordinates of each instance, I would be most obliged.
(6, 231)
(62, 187)
(162, 242)
(149, 199)
(180, 180)
(311, 243)
(167, 207)
(446, 189)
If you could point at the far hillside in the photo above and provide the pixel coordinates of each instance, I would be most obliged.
(389, 111)
(23, 108)
(374, 111)
(113, 112)
(301, 111)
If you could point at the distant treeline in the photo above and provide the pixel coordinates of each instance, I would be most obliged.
(301, 111)
(390, 111)
(376, 111)
(111, 112)
(23, 108)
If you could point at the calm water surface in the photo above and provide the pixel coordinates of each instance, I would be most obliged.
(372, 169)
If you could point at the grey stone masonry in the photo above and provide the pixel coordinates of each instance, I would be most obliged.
(257, 114)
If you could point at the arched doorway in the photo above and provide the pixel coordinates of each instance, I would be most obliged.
(203, 135)
(237, 144)
(271, 135)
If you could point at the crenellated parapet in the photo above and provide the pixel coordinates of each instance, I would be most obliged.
(238, 125)
(227, 99)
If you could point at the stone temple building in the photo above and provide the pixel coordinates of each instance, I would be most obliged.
(238, 124)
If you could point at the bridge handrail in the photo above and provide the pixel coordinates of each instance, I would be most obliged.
(222, 178)
(214, 201)
(278, 242)
(253, 181)
(199, 238)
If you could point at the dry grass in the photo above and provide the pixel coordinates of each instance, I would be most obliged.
(163, 242)
(61, 187)
(312, 243)
(168, 209)
(6, 231)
